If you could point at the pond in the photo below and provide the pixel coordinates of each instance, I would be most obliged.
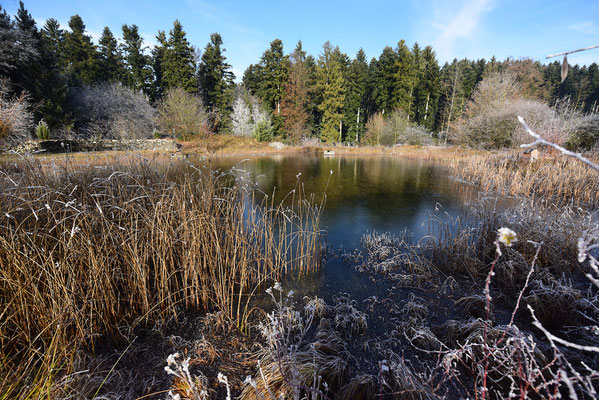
(363, 194)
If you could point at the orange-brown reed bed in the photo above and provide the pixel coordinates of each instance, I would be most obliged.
(87, 250)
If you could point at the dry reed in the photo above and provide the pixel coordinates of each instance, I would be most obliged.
(84, 250)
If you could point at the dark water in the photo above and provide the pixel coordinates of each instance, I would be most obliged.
(363, 194)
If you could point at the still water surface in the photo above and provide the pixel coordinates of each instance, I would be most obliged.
(363, 194)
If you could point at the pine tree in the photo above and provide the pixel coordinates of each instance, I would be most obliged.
(139, 74)
(293, 106)
(111, 59)
(331, 84)
(79, 56)
(179, 66)
(216, 83)
(355, 101)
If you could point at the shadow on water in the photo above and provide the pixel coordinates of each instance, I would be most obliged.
(363, 194)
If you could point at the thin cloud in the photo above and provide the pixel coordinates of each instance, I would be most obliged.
(461, 25)
(586, 27)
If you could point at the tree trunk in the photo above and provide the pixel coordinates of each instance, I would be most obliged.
(358, 125)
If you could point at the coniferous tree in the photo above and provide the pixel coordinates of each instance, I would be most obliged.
(383, 75)
(179, 66)
(427, 90)
(54, 86)
(111, 59)
(331, 84)
(18, 50)
(355, 100)
(405, 77)
(139, 73)
(216, 83)
(252, 78)
(274, 75)
(28, 75)
(293, 106)
(158, 58)
(79, 56)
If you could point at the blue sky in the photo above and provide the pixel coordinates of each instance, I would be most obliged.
(470, 28)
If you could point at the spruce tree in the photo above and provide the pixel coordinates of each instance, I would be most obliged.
(158, 54)
(331, 84)
(79, 56)
(54, 86)
(19, 49)
(179, 66)
(405, 78)
(427, 90)
(139, 74)
(216, 83)
(355, 102)
(111, 59)
(384, 73)
(274, 75)
(252, 78)
(27, 76)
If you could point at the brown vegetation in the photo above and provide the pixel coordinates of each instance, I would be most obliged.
(87, 251)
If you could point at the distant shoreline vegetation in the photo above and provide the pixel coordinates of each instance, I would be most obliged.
(122, 88)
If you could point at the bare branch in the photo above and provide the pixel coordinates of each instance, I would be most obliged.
(573, 51)
(540, 140)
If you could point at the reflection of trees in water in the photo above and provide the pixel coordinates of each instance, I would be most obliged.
(387, 188)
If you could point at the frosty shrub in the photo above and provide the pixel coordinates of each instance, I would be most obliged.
(112, 111)
(182, 114)
(491, 120)
(16, 121)
(250, 119)
(585, 133)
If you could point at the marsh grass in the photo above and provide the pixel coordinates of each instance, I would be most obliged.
(89, 254)
(558, 180)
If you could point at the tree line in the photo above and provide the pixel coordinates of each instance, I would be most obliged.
(331, 96)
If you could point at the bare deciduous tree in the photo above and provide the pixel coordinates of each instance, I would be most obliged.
(183, 115)
(113, 111)
(16, 120)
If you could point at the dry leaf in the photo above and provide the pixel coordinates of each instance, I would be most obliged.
(565, 68)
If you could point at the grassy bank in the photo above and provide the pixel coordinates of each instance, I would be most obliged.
(91, 254)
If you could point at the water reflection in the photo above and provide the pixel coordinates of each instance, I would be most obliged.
(363, 194)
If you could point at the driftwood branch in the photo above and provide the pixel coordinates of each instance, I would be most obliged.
(540, 140)
(573, 51)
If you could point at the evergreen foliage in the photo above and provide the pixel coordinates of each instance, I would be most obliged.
(79, 56)
(331, 84)
(216, 83)
(178, 68)
(111, 58)
(139, 74)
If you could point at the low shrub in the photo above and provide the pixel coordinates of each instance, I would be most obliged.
(183, 115)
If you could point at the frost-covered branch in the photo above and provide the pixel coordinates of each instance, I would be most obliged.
(540, 140)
